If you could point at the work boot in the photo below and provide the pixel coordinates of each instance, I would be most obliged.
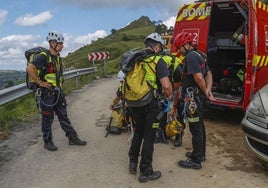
(160, 137)
(178, 141)
(188, 155)
(188, 163)
(74, 140)
(50, 146)
(132, 168)
(153, 176)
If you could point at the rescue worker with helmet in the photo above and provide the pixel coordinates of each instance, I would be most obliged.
(145, 116)
(196, 86)
(119, 93)
(120, 112)
(175, 66)
(50, 88)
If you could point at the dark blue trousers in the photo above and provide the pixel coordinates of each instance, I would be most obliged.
(144, 135)
(54, 101)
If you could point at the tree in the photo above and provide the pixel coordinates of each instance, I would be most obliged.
(113, 31)
(161, 28)
(9, 84)
(125, 37)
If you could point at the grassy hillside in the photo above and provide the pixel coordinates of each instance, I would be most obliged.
(116, 44)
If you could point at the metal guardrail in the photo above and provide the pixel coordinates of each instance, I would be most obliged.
(15, 92)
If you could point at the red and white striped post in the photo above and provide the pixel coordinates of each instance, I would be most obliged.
(99, 56)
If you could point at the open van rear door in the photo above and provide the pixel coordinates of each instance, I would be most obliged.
(257, 65)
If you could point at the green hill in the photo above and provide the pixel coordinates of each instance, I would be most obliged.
(116, 44)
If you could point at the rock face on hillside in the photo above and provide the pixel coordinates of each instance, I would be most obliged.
(145, 20)
(141, 22)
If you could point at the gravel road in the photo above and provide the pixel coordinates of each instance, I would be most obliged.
(103, 162)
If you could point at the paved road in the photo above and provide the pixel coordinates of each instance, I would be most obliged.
(104, 161)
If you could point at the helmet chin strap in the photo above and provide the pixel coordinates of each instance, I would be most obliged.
(186, 49)
(54, 48)
(152, 48)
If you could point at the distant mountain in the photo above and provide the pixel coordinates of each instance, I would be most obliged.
(10, 78)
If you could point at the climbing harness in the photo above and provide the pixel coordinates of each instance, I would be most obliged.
(39, 100)
(190, 105)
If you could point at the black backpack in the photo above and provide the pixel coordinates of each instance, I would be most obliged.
(130, 58)
(29, 55)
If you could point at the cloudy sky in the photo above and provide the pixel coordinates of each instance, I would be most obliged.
(25, 23)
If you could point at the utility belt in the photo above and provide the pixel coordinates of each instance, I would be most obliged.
(51, 91)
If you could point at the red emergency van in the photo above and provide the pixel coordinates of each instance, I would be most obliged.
(234, 35)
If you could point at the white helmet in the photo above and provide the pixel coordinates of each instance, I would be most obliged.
(120, 76)
(55, 36)
(156, 37)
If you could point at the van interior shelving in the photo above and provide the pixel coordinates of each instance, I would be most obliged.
(226, 57)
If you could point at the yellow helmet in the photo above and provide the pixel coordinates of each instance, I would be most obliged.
(173, 128)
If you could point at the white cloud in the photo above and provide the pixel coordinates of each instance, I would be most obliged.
(170, 21)
(33, 20)
(12, 47)
(72, 43)
(3, 15)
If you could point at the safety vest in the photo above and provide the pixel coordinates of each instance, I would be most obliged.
(172, 62)
(150, 70)
(53, 72)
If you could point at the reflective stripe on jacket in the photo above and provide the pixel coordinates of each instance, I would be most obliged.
(53, 73)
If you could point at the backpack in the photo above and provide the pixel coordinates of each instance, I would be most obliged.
(29, 55)
(117, 119)
(131, 57)
(137, 91)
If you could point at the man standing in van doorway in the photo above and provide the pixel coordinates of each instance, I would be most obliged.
(49, 80)
(195, 91)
